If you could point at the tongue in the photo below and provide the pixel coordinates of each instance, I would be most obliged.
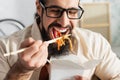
(56, 33)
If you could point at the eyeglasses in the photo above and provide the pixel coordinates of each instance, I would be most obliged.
(57, 12)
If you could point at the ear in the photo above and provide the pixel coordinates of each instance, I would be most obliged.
(38, 8)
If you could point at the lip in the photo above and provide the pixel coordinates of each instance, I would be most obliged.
(54, 32)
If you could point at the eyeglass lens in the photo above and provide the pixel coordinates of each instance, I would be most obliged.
(57, 12)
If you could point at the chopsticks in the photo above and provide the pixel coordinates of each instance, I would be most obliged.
(21, 50)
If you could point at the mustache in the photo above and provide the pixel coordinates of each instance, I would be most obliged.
(59, 26)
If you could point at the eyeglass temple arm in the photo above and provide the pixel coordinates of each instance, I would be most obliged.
(42, 5)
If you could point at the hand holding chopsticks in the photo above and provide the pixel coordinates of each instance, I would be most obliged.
(21, 50)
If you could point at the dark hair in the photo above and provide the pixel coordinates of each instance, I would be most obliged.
(43, 1)
(36, 15)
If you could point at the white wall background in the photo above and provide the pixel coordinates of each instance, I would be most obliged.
(115, 22)
(22, 10)
(115, 19)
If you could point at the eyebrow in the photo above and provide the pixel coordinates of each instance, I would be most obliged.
(55, 6)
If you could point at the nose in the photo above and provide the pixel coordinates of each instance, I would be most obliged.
(64, 20)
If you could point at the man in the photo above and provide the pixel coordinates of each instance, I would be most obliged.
(55, 18)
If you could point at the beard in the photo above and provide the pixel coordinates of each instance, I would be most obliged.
(53, 48)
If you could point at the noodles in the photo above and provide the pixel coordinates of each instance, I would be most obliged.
(61, 42)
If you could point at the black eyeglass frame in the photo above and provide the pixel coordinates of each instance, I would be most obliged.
(63, 11)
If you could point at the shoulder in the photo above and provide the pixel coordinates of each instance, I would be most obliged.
(8, 43)
(92, 42)
(87, 34)
(90, 37)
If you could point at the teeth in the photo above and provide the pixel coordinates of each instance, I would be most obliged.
(61, 30)
(57, 32)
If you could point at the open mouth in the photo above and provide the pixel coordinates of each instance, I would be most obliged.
(57, 32)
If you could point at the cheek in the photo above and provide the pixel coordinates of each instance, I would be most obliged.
(74, 23)
(47, 21)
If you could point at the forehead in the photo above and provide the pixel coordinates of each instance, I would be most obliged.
(63, 3)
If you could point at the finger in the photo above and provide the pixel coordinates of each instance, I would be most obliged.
(41, 62)
(27, 42)
(43, 51)
(40, 58)
(30, 51)
(78, 77)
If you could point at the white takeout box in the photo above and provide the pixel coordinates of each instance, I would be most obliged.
(65, 67)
